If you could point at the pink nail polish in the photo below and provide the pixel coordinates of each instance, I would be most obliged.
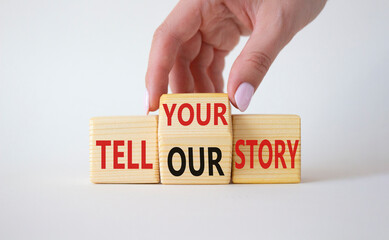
(147, 100)
(243, 96)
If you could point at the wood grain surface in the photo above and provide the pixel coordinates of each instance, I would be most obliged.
(213, 133)
(275, 164)
(119, 131)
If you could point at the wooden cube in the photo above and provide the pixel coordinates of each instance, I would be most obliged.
(124, 149)
(266, 149)
(195, 138)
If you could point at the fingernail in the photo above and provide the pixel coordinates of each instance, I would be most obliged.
(147, 102)
(243, 96)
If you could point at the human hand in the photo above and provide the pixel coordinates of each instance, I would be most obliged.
(189, 47)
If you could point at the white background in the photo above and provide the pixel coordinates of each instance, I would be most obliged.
(62, 62)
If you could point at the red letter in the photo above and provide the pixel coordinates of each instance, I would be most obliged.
(103, 144)
(169, 114)
(252, 143)
(240, 154)
(144, 164)
(292, 151)
(208, 118)
(279, 154)
(191, 114)
(221, 114)
(268, 144)
(117, 154)
(129, 157)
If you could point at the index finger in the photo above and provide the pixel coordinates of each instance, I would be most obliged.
(180, 25)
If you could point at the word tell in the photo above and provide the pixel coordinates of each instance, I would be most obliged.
(124, 149)
(117, 154)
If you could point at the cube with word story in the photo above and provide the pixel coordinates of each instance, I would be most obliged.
(195, 138)
(266, 149)
(124, 149)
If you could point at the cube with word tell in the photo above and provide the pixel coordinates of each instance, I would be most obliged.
(266, 149)
(195, 138)
(124, 149)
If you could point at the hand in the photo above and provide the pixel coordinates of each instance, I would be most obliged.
(189, 48)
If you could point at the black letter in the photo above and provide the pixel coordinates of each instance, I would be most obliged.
(170, 161)
(191, 167)
(214, 162)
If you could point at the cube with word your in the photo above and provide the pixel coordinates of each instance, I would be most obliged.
(195, 138)
(124, 149)
(266, 149)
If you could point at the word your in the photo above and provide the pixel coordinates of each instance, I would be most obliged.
(218, 113)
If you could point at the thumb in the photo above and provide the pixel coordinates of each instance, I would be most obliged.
(248, 70)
